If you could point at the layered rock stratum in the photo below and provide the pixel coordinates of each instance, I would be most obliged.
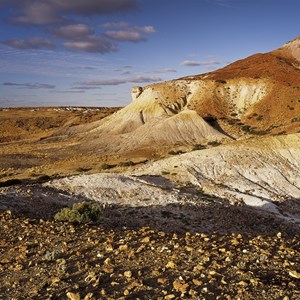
(257, 95)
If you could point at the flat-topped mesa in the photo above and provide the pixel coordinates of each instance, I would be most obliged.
(292, 43)
(136, 92)
(258, 95)
(290, 49)
(294, 47)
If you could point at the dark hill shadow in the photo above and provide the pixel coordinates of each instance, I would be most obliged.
(205, 216)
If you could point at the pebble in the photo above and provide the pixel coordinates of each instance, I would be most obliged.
(128, 274)
(73, 296)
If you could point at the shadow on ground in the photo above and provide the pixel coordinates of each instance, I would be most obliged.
(205, 216)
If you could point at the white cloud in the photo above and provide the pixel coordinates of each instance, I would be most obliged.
(53, 11)
(31, 43)
(75, 31)
(113, 25)
(30, 85)
(126, 32)
(125, 35)
(117, 81)
(193, 63)
(91, 44)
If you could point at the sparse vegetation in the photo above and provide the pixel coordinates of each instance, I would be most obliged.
(165, 173)
(172, 152)
(198, 147)
(126, 163)
(233, 121)
(82, 170)
(214, 143)
(295, 120)
(221, 81)
(82, 212)
(106, 166)
(246, 128)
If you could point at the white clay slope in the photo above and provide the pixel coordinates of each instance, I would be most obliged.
(259, 173)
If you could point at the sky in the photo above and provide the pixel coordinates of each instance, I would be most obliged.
(91, 52)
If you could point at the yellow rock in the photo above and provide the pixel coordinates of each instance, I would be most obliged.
(73, 296)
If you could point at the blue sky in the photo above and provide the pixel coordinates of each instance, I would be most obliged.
(91, 52)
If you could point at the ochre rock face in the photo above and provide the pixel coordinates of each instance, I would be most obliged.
(266, 86)
(256, 95)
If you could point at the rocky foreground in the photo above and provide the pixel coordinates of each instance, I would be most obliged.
(47, 259)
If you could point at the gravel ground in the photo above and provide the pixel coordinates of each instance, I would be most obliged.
(228, 254)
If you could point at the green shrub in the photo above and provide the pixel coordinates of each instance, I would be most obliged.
(82, 212)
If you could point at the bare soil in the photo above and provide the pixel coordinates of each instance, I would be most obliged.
(30, 144)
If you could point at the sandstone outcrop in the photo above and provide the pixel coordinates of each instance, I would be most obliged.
(258, 95)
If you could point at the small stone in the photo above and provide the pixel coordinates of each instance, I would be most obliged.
(109, 248)
(198, 268)
(123, 248)
(170, 265)
(108, 269)
(73, 296)
(162, 280)
(88, 296)
(294, 274)
(155, 273)
(180, 286)
(193, 293)
(243, 283)
(55, 281)
(170, 296)
(128, 274)
(133, 285)
(254, 281)
(189, 249)
(146, 240)
(197, 282)
(131, 254)
(126, 293)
